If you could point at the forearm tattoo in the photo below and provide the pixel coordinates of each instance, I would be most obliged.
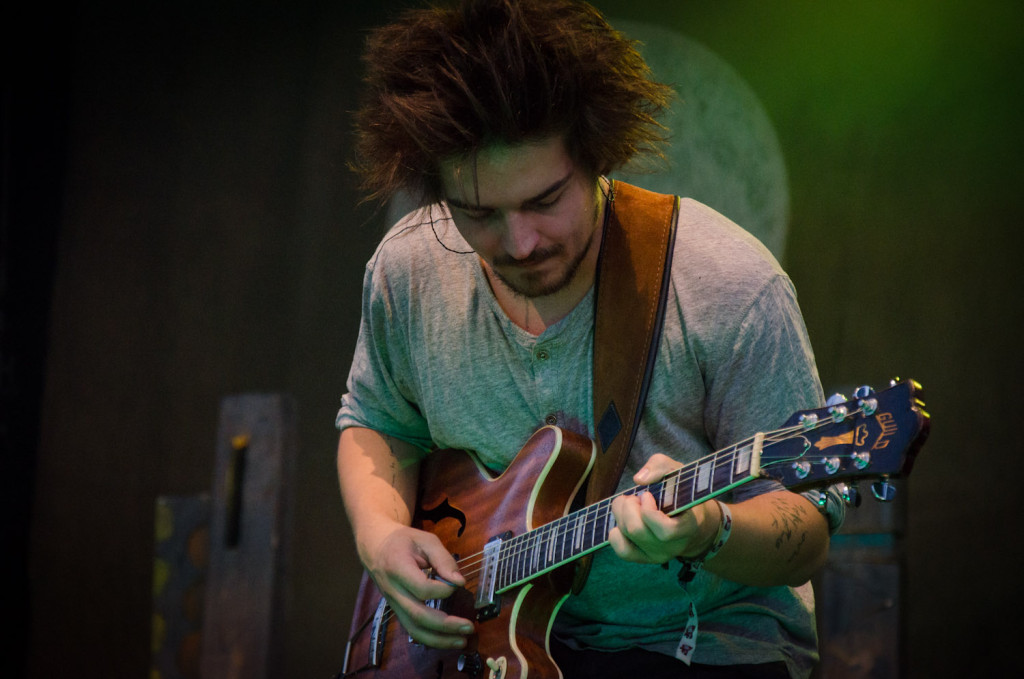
(393, 464)
(791, 523)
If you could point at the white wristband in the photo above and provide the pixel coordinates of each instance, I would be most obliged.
(691, 565)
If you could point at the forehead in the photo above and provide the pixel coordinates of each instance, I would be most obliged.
(505, 175)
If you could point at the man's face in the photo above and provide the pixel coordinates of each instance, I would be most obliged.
(528, 212)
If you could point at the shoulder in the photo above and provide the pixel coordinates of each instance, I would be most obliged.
(719, 245)
(717, 265)
(419, 249)
(415, 236)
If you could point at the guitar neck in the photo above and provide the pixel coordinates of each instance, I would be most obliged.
(524, 557)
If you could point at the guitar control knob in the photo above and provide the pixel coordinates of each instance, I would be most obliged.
(470, 664)
(883, 490)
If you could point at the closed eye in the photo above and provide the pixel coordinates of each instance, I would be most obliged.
(546, 203)
(476, 214)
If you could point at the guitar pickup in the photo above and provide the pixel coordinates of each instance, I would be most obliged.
(488, 602)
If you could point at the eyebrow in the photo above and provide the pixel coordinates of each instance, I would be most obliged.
(554, 188)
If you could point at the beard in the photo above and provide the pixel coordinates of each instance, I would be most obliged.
(533, 284)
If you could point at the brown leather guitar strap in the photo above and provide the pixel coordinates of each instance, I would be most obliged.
(633, 274)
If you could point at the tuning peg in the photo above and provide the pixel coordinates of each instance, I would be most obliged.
(883, 490)
(802, 469)
(836, 399)
(836, 407)
(863, 392)
(850, 494)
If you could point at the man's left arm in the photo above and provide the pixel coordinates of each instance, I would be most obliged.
(777, 538)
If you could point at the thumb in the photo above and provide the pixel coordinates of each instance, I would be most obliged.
(443, 563)
(656, 468)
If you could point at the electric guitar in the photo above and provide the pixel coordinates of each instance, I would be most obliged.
(514, 537)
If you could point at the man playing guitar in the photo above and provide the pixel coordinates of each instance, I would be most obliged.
(503, 118)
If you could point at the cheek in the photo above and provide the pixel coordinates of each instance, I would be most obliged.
(570, 226)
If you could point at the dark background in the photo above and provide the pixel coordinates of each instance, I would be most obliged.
(178, 225)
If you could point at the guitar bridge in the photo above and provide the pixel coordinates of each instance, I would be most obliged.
(488, 602)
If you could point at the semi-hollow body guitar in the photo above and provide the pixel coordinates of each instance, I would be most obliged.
(515, 539)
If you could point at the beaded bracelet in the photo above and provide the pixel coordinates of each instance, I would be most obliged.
(693, 564)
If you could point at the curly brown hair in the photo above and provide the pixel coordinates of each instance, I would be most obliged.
(449, 82)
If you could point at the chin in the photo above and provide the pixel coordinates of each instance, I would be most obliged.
(533, 287)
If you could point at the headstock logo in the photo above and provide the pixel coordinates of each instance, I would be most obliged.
(854, 437)
(889, 427)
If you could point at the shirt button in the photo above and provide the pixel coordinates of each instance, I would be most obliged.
(542, 355)
(551, 419)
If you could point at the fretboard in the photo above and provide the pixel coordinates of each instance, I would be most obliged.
(524, 557)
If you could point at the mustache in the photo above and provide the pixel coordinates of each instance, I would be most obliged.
(535, 257)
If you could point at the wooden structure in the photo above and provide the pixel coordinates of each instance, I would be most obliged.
(250, 527)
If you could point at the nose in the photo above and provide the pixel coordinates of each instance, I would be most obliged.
(521, 236)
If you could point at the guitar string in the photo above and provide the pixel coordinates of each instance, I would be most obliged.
(587, 520)
(581, 521)
(578, 525)
(527, 543)
(468, 565)
(471, 566)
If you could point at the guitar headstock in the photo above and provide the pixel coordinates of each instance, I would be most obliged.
(873, 435)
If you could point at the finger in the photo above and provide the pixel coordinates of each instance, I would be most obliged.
(626, 512)
(631, 539)
(655, 469)
(660, 525)
(427, 624)
(657, 533)
(624, 548)
(442, 563)
(648, 535)
(423, 583)
(427, 572)
(432, 627)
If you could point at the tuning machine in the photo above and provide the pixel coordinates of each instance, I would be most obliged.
(883, 490)
(836, 407)
(849, 494)
(866, 400)
(836, 399)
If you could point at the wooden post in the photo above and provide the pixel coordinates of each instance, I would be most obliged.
(250, 527)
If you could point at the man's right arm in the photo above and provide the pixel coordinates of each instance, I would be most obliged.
(378, 486)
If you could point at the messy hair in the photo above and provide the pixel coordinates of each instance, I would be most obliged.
(447, 82)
